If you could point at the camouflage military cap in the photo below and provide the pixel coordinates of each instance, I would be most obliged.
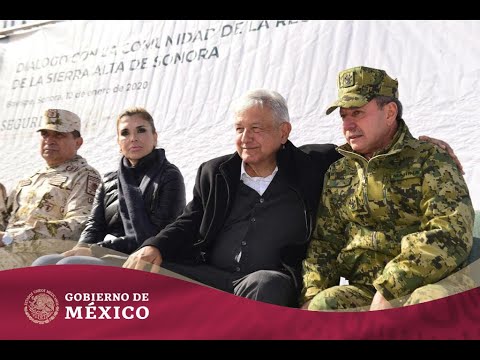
(60, 120)
(358, 85)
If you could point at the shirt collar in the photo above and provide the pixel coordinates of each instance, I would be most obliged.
(243, 173)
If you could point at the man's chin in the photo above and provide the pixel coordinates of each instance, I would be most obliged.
(51, 159)
(355, 146)
(250, 160)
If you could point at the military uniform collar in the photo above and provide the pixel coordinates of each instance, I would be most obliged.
(396, 145)
(75, 161)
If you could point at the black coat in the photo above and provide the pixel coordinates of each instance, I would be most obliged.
(215, 187)
(164, 200)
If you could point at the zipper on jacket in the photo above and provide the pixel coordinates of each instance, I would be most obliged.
(153, 202)
(308, 223)
(365, 195)
(385, 194)
(224, 177)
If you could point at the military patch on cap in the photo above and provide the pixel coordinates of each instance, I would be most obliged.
(60, 120)
(347, 79)
(359, 85)
(58, 180)
(52, 114)
(92, 184)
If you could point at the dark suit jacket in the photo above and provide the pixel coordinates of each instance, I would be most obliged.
(215, 187)
(164, 201)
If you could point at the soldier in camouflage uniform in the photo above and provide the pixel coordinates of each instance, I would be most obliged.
(3, 206)
(396, 213)
(54, 203)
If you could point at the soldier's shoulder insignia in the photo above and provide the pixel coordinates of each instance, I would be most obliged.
(58, 180)
(71, 168)
(92, 184)
(25, 182)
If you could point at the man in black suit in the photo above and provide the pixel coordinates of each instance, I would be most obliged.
(248, 225)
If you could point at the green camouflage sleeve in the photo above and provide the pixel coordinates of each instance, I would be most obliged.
(71, 222)
(320, 269)
(445, 237)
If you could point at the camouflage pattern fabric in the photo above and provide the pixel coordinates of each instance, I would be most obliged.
(359, 298)
(60, 120)
(358, 85)
(454, 284)
(342, 298)
(3, 207)
(23, 253)
(54, 203)
(397, 222)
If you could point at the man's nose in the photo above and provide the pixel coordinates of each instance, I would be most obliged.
(49, 139)
(348, 123)
(246, 135)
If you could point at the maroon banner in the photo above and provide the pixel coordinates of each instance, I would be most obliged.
(99, 302)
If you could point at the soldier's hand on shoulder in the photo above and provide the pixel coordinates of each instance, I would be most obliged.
(443, 145)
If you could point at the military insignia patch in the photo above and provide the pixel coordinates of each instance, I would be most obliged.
(58, 180)
(347, 79)
(52, 113)
(23, 183)
(71, 168)
(53, 117)
(92, 184)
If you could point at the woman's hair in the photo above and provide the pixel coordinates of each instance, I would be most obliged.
(261, 98)
(139, 111)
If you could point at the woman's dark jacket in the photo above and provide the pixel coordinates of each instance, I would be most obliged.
(164, 200)
(215, 189)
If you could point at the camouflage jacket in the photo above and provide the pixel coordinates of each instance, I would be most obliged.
(54, 202)
(399, 221)
(3, 207)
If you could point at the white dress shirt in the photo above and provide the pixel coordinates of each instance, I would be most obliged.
(257, 183)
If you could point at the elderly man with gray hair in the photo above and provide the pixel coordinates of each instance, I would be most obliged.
(249, 223)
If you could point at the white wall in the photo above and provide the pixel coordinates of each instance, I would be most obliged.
(437, 64)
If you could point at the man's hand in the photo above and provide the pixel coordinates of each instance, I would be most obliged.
(78, 251)
(145, 256)
(445, 146)
(379, 302)
(1, 237)
(305, 306)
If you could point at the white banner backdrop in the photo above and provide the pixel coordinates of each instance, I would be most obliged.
(187, 72)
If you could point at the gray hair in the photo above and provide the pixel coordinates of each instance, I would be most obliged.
(384, 100)
(260, 98)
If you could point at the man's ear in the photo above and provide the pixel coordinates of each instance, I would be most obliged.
(391, 110)
(285, 128)
(78, 142)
